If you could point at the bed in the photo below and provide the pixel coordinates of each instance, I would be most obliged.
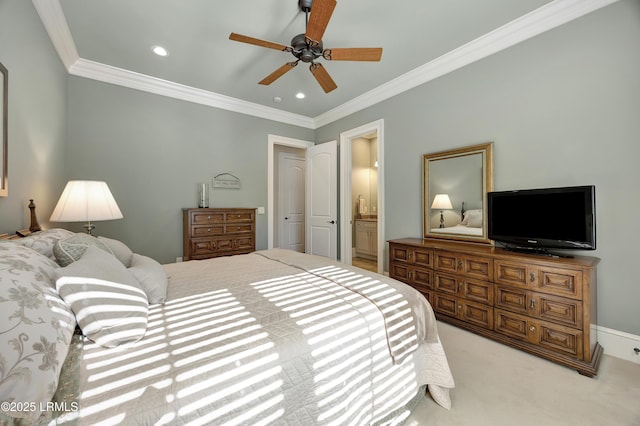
(271, 337)
(470, 224)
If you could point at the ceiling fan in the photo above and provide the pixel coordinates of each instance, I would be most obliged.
(308, 47)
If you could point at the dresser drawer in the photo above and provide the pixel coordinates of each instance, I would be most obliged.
(560, 339)
(560, 281)
(206, 218)
(415, 256)
(474, 313)
(470, 266)
(202, 248)
(239, 228)
(543, 306)
(239, 216)
(207, 231)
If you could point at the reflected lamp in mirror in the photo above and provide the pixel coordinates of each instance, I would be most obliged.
(86, 201)
(441, 202)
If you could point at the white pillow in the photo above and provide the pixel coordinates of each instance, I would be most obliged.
(71, 249)
(468, 214)
(119, 250)
(109, 305)
(475, 220)
(36, 330)
(151, 276)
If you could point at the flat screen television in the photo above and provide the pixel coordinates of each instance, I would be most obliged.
(542, 219)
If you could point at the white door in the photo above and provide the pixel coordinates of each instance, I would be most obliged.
(291, 187)
(322, 200)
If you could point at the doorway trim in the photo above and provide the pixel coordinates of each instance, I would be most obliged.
(273, 141)
(346, 230)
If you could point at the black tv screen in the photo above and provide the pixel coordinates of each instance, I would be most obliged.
(548, 218)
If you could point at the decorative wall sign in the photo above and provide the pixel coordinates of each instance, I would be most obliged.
(226, 180)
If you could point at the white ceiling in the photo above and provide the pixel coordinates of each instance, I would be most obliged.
(422, 39)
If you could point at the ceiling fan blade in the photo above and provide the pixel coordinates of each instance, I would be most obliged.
(323, 77)
(373, 54)
(278, 73)
(257, 42)
(321, 12)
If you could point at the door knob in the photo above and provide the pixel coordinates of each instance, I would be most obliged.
(286, 218)
(331, 222)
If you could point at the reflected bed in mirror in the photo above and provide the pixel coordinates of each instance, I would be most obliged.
(455, 184)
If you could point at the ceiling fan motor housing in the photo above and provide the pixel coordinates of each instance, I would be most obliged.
(305, 5)
(303, 51)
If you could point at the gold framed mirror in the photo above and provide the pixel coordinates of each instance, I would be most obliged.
(455, 185)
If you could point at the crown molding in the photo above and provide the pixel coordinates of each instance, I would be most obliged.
(133, 80)
(545, 18)
(55, 23)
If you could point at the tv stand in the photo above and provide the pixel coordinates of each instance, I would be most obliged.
(536, 250)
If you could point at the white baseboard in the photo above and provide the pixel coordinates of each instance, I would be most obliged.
(619, 344)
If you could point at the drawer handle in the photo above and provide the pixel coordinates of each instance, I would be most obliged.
(459, 265)
(209, 217)
(460, 286)
(532, 329)
(410, 274)
(533, 304)
(532, 276)
(208, 229)
(410, 255)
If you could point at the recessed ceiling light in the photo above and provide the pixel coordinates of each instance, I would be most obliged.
(277, 99)
(300, 95)
(160, 51)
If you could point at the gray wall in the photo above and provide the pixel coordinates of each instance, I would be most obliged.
(37, 115)
(562, 108)
(153, 150)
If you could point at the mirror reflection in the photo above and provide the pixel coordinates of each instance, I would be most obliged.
(456, 183)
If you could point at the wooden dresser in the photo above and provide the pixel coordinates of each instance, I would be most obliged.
(213, 232)
(543, 305)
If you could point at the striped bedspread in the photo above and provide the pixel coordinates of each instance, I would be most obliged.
(272, 337)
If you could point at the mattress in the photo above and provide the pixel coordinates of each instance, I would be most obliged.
(271, 337)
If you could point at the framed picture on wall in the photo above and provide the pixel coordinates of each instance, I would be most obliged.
(4, 118)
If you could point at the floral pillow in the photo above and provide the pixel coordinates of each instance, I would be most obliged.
(43, 241)
(35, 331)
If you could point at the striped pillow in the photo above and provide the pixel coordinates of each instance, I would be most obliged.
(110, 307)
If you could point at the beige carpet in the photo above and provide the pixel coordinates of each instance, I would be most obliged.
(497, 385)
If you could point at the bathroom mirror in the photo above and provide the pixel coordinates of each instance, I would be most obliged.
(455, 185)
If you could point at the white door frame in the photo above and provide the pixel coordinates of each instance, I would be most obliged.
(273, 141)
(345, 190)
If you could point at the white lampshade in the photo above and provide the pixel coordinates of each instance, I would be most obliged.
(86, 200)
(441, 202)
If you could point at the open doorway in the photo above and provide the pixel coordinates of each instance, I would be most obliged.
(362, 195)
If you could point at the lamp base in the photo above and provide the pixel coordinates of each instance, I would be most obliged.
(89, 227)
(441, 219)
